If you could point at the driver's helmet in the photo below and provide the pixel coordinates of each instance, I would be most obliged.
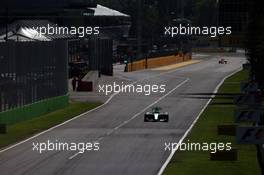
(156, 110)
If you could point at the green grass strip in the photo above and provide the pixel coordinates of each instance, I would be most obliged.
(205, 130)
(23, 130)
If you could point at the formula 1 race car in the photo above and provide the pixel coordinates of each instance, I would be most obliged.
(222, 61)
(156, 116)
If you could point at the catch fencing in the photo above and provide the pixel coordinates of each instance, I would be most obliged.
(31, 72)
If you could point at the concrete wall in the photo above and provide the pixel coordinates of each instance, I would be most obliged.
(157, 62)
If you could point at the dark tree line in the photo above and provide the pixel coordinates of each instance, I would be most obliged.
(255, 39)
(156, 14)
(255, 52)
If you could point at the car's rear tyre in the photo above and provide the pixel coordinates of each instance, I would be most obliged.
(146, 118)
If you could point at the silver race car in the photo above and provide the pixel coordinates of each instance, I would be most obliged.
(156, 116)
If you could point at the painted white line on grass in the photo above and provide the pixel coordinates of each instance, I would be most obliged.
(162, 169)
(48, 130)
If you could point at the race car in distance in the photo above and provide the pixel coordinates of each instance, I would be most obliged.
(222, 61)
(156, 116)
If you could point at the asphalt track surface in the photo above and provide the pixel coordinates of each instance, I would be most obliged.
(127, 144)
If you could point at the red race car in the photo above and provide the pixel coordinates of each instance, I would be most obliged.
(222, 61)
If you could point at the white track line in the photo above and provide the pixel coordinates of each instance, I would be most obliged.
(50, 129)
(162, 169)
(76, 154)
(136, 115)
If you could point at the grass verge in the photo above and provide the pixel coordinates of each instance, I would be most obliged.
(23, 130)
(205, 130)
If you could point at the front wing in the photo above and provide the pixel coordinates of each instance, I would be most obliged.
(149, 117)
